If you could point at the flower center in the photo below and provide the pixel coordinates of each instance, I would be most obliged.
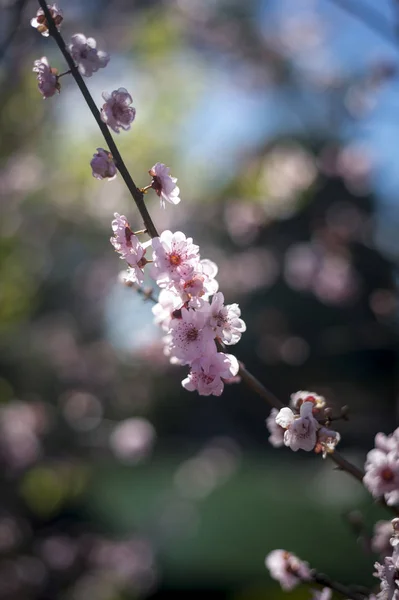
(156, 184)
(387, 474)
(192, 334)
(175, 259)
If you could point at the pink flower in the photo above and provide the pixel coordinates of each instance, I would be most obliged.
(382, 533)
(116, 112)
(103, 165)
(300, 429)
(388, 573)
(84, 52)
(199, 285)
(327, 439)
(225, 320)
(276, 437)
(209, 373)
(175, 257)
(304, 396)
(191, 337)
(164, 184)
(47, 77)
(382, 472)
(168, 303)
(287, 569)
(40, 21)
(128, 246)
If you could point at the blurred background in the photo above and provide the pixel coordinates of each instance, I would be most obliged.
(280, 120)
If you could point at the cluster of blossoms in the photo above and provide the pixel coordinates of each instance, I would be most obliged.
(298, 427)
(193, 322)
(388, 571)
(382, 468)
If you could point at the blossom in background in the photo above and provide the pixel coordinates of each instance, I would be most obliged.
(287, 569)
(380, 541)
(47, 77)
(300, 429)
(117, 112)
(103, 166)
(128, 246)
(276, 437)
(164, 184)
(324, 594)
(175, 257)
(225, 320)
(382, 474)
(208, 373)
(84, 52)
(40, 22)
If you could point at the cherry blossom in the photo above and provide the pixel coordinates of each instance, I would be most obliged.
(327, 439)
(382, 472)
(164, 184)
(191, 337)
(84, 52)
(382, 533)
(388, 573)
(175, 257)
(304, 396)
(287, 569)
(168, 303)
(225, 320)
(300, 429)
(103, 166)
(47, 77)
(40, 22)
(128, 246)
(208, 373)
(117, 112)
(276, 437)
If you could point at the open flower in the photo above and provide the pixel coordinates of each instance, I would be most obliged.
(103, 166)
(327, 439)
(175, 257)
(191, 337)
(300, 429)
(276, 437)
(287, 569)
(164, 184)
(208, 373)
(40, 21)
(84, 52)
(117, 112)
(226, 321)
(382, 472)
(47, 77)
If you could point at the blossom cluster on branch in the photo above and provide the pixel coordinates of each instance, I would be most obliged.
(197, 324)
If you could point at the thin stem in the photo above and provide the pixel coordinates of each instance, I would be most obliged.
(344, 590)
(64, 73)
(137, 195)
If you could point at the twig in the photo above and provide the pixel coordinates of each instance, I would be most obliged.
(346, 591)
(137, 195)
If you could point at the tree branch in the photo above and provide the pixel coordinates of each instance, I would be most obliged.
(137, 195)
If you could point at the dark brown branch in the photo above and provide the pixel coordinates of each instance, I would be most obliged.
(137, 195)
(345, 591)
